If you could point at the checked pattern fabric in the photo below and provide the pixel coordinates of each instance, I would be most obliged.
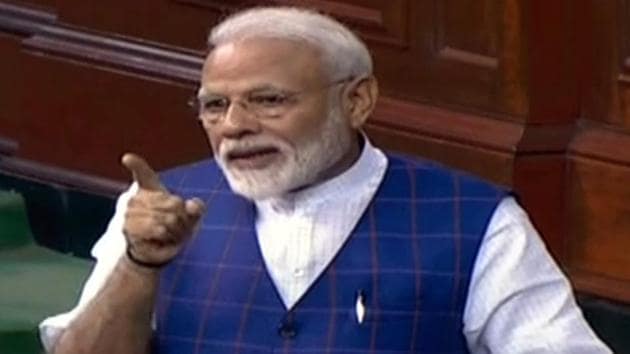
(408, 263)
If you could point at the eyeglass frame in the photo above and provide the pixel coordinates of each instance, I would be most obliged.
(195, 102)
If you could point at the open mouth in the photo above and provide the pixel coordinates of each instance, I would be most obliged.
(252, 158)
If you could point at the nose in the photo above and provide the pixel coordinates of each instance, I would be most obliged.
(238, 122)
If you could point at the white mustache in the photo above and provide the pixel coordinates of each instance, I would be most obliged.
(229, 146)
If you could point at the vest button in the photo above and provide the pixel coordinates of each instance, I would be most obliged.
(286, 330)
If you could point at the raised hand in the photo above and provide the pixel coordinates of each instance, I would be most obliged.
(157, 223)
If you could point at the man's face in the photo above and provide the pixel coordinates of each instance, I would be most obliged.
(273, 126)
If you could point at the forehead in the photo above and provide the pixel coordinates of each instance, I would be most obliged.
(245, 64)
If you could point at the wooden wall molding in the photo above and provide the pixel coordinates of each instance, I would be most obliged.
(546, 139)
(598, 159)
(469, 58)
(23, 21)
(598, 26)
(601, 285)
(40, 172)
(623, 68)
(599, 175)
(148, 61)
(8, 147)
(623, 13)
(464, 128)
(452, 49)
(372, 21)
(43, 35)
(602, 144)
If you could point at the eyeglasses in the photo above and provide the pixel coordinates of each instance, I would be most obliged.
(262, 103)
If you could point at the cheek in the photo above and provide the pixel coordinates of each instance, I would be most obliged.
(213, 138)
(300, 126)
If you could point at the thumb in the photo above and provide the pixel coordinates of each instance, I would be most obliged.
(142, 173)
(195, 207)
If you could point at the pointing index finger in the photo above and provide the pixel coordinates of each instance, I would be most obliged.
(142, 173)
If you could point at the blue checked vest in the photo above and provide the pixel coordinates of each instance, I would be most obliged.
(408, 263)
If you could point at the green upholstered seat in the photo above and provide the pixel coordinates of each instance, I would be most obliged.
(35, 282)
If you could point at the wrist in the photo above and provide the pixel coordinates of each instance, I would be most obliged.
(131, 257)
(143, 278)
(136, 271)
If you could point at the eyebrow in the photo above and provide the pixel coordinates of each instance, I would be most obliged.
(204, 92)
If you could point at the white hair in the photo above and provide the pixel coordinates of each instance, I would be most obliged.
(344, 55)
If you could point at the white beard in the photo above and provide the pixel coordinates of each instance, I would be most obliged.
(298, 166)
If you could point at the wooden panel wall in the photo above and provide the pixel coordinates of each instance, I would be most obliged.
(599, 155)
(528, 93)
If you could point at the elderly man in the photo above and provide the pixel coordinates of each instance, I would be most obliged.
(305, 238)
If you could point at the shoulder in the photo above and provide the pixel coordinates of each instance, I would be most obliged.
(431, 179)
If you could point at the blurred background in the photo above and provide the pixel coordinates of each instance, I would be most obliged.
(532, 94)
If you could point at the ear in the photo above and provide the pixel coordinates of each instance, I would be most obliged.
(359, 100)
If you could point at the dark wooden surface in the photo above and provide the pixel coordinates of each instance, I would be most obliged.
(8, 147)
(532, 94)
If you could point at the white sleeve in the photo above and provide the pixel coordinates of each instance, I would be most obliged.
(519, 300)
(106, 251)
